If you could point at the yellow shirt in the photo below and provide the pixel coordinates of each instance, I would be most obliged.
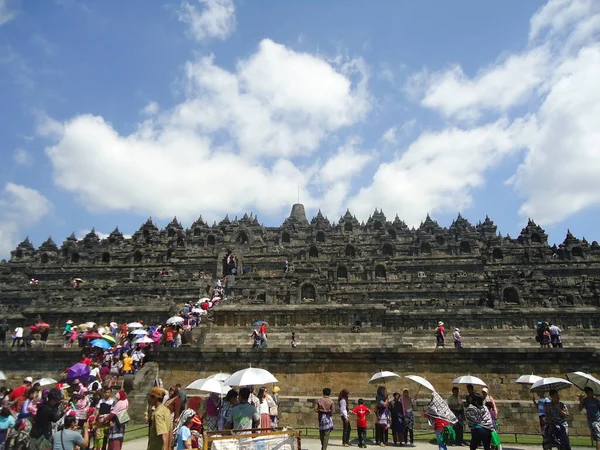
(161, 424)
(128, 364)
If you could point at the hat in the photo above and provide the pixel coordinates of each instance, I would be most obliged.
(28, 380)
(485, 390)
(69, 322)
(440, 323)
(456, 329)
(158, 392)
(276, 389)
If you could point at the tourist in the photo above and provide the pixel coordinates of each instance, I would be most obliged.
(184, 435)
(555, 338)
(397, 419)
(592, 409)
(22, 390)
(161, 427)
(68, 438)
(557, 430)
(470, 395)
(3, 331)
(343, 404)
(480, 422)
(103, 409)
(229, 402)
(48, 412)
(211, 413)
(409, 417)
(7, 422)
(490, 404)
(456, 406)
(440, 335)
(263, 335)
(540, 404)
(274, 407)
(182, 396)
(325, 409)
(244, 416)
(457, 338)
(18, 337)
(383, 417)
(263, 410)
(293, 342)
(119, 417)
(361, 412)
(440, 414)
(253, 399)
(174, 404)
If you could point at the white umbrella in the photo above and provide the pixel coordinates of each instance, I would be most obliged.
(139, 332)
(45, 381)
(210, 385)
(383, 376)
(219, 376)
(422, 381)
(143, 340)
(468, 379)
(583, 380)
(91, 324)
(2, 376)
(547, 384)
(204, 299)
(197, 310)
(175, 319)
(250, 377)
(135, 325)
(527, 379)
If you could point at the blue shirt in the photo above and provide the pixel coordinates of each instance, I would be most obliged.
(183, 435)
(541, 403)
(592, 409)
(69, 440)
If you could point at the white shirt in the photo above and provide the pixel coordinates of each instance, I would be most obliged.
(19, 332)
(264, 407)
(554, 330)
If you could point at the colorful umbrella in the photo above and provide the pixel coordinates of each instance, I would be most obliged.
(42, 325)
(259, 323)
(79, 372)
(92, 335)
(109, 338)
(101, 343)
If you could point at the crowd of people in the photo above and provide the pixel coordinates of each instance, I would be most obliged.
(475, 412)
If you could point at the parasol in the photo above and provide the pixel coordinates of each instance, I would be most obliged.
(219, 376)
(547, 384)
(143, 340)
(79, 372)
(135, 325)
(139, 332)
(583, 380)
(422, 381)
(109, 338)
(101, 343)
(2, 376)
(175, 320)
(42, 325)
(259, 323)
(92, 335)
(250, 377)
(45, 382)
(383, 377)
(468, 379)
(210, 385)
(527, 379)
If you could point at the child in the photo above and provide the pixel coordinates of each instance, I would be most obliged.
(293, 343)
(361, 412)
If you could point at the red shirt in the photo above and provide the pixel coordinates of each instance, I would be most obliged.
(18, 392)
(361, 412)
(441, 330)
(87, 361)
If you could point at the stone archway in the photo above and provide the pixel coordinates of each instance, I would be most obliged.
(342, 272)
(425, 248)
(377, 225)
(210, 240)
(497, 254)
(388, 250)
(320, 236)
(577, 252)
(308, 293)
(75, 258)
(285, 237)
(171, 232)
(392, 233)
(440, 240)
(465, 247)
(536, 238)
(313, 252)
(510, 295)
(137, 257)
(197, 232)
(380, 271)
(348, 227)
(105, 257)
(350, 252)
(44, 258)
(242, 238)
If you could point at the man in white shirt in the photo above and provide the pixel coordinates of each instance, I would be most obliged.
(18, 337)
(555, 339)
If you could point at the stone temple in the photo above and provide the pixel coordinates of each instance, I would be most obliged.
(324, 281)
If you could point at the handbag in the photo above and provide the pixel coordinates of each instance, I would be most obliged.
(123, 417)
(495, 439)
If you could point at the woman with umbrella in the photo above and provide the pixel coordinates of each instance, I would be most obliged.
(557, 431)
(383, 417)
(439, 415)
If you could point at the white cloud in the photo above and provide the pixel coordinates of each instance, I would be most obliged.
(216, 20)
(389, 137)
(22, 157)
(150, 109)
(437, 172)
(558, 16)
(83, 233)
(20, 207)
(277, 105)
(7, 13)
(497, 88)
(559, 176)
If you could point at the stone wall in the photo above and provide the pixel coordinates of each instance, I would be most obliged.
(303, 375)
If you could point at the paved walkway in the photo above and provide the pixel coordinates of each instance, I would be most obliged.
(314, 444)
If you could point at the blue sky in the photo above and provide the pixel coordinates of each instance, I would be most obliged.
(116, 111)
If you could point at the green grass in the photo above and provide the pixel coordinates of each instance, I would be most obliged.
(136, 431)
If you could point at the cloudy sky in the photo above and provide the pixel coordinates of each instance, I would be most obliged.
(115, 111)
